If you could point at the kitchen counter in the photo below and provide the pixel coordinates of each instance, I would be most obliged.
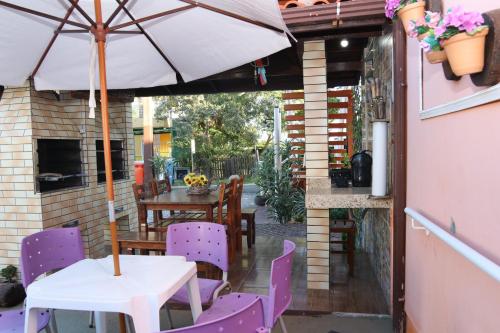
(349, 197)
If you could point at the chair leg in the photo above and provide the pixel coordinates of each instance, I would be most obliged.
(249, 236)
(169, 316)
(53, 321)
(252, 223)
(282, 324)
(91, 320)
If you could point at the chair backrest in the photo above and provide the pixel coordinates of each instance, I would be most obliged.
(280, 284)
(160, 186)
(140, 194)
(199, 241)
(249, 319)
(227, 193)
(237, 201)
(49, 250)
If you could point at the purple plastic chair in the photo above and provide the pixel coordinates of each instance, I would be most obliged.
(201, 242)
(279, 299)
(248, 319)
(47, 251)
(13, 321)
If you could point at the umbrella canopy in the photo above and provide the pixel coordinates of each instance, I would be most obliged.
(194, 39)
(139, 43)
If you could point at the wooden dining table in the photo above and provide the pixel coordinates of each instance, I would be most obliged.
(179, 199)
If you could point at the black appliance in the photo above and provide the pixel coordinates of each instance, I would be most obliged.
(361, 164)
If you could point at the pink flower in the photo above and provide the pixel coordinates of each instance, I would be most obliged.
(390, 8)
(412, 29)
(425, 46)
(464, 21)
(432, 19)
(439, 30)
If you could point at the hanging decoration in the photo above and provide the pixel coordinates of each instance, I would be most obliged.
(260, 71)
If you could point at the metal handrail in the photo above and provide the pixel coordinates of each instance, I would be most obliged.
(483, 263)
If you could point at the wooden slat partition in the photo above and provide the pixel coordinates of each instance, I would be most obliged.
(340, 115)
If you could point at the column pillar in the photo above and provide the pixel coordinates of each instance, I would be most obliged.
(316, 152)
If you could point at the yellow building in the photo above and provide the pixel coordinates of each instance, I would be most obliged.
(162, 130)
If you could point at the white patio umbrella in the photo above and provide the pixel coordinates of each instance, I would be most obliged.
(139, 43)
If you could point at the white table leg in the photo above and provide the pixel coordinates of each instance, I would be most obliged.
(31, 320)
(147, 320)
(100, 322)
(193, 289)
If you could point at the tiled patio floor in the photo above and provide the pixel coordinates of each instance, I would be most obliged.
(77, 322)
(358, 294)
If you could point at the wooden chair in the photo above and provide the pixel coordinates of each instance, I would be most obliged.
(158, 187)
(248, 214)
(142, 214)
(227, 195)
(345, 227)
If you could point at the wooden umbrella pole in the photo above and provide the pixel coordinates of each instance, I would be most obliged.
(100, 36)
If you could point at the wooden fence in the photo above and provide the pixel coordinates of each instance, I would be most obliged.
(223, 168)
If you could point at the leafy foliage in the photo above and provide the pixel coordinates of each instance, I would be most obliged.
(9, 273)
(285, 202)
(222, 125)
(159, 164)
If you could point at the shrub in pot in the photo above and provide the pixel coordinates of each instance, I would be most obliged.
(11, 292)
(424, 31)
(406, 10)
(463, 37)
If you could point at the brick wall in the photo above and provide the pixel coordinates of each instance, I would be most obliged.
(27, 115)
(316, 152)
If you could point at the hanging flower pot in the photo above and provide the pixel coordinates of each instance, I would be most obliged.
(436, 57)
(466, 52)
(412, 12)
(406, 10)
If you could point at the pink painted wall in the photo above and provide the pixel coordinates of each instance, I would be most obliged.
(453, 174)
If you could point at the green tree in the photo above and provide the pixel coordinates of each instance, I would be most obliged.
(222, 125)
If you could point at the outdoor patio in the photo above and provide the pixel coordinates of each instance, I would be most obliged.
(283, 166)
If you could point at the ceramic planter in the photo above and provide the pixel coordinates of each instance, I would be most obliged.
(436, 57)
(414, 11)
(466, 53)
(11, 293)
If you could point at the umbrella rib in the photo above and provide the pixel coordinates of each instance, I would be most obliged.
(148, 18)
(233, 15)
(150, 39)
(119, 32)
(41, 14)
(117, 10)
(84, 13)
(54, 37)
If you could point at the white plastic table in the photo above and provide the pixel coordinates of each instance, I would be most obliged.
(146, 283)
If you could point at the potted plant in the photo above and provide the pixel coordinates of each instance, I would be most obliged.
(11, 292)
(197, 184)
(406, 10)
(159, 164)
(342, 176)
(463, 35)
(425, 31)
